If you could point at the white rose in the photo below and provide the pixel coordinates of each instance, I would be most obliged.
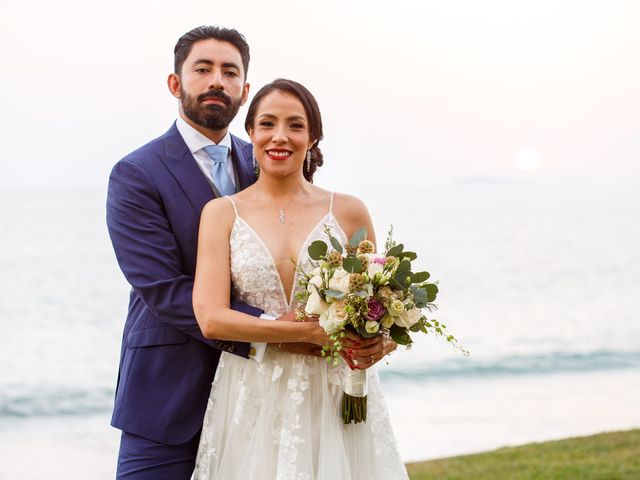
(408, 318)
(317, 281)
(333, 317)
(340, 281)
(315, 305)
(374, 268)
(372, 326)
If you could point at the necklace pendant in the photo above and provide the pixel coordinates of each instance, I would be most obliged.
(283, 216)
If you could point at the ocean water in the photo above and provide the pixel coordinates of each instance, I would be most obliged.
(541, 282)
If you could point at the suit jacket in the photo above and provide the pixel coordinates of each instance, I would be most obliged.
(155, 198)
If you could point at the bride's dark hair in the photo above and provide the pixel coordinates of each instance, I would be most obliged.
(311, 109)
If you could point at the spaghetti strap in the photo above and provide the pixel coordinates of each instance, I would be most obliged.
(331, 204)
(235, 209)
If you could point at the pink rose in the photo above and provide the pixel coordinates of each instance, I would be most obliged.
(376, 310)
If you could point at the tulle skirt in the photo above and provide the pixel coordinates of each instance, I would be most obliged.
(280, 419)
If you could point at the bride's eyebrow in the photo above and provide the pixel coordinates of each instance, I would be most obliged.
(298, 118)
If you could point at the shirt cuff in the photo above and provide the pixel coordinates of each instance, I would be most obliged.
(257, 351)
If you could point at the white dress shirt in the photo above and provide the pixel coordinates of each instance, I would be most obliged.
(195, 143)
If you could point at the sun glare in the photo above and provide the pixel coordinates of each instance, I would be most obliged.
(527, 160)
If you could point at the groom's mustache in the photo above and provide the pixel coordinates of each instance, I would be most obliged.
(215, 94)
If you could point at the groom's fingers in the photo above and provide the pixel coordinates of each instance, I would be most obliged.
(291, 317)
(302, 348)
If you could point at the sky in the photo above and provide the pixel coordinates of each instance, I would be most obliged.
(411, 92)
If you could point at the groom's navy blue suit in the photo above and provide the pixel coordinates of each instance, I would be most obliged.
(155, 198)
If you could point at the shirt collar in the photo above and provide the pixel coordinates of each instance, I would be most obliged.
(195, 140)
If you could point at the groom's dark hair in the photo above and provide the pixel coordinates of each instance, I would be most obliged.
(205, 32)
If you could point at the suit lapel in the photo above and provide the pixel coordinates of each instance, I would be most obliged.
(243, 163)
(180, 162)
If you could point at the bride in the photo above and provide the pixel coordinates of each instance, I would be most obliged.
(280, 418)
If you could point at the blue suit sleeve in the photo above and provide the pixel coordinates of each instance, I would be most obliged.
(149, 255)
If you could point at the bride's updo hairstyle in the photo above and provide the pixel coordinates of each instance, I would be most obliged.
(311, 109)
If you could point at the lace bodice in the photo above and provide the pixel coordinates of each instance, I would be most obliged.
(255, 278)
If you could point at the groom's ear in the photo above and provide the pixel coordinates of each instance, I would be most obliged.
(173, 82)
(245, 93)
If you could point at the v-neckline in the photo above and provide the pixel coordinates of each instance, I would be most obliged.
(288, 303)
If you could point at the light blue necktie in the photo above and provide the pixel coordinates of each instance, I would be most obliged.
(221, 178)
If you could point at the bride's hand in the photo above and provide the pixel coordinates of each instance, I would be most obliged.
(366, 352)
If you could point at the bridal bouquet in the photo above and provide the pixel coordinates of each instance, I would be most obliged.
(353, 288)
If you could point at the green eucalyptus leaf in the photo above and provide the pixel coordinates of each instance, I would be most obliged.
(420, 277)
(336, 244)
(395, 251)
(418, 326)
(405, 266)
(334, 294)
(401, 278)
(420, 297)
(432, 291)
(317, 250)
(400, 335)
(409, 255)
(357, 237)
(352, 264)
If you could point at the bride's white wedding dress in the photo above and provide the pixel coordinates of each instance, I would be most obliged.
(280, 419)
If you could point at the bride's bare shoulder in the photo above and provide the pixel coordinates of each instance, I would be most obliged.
(219, 211)
(352, 213)
(349, 206)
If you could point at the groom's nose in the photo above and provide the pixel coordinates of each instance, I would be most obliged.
(215, 80)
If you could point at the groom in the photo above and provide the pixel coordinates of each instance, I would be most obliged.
(154, 202)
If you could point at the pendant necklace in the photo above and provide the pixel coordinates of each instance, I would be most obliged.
(282, 214)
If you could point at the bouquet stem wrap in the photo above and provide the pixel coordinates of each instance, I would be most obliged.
(354, 399)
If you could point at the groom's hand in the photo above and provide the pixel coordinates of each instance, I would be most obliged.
(287, 317)
(301, 348)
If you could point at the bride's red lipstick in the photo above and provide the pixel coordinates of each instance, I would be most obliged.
(279, 154)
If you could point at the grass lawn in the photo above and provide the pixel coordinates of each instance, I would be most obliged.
(606, 456)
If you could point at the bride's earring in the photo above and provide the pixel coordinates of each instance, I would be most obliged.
(308, 161)
(255, 164)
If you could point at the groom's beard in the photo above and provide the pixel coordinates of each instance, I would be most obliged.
(213, 117)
